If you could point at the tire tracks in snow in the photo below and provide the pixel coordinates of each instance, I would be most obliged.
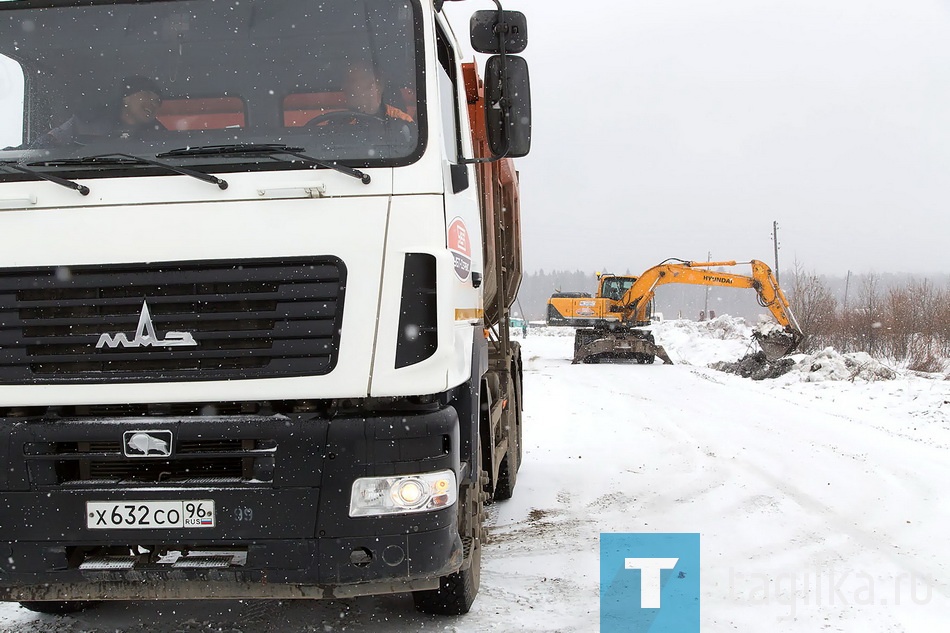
(839, 523)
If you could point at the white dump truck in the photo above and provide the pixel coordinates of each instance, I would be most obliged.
(256, 266)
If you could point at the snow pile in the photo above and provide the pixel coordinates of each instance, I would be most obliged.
(548, 330)
(726, 344)
(766, 326)
(723, 328)
(828, 364)
(700, 343)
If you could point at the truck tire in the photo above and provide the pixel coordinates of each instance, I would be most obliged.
(58, 607)
(457, 591)
(518, 373)
(511, 462)
(507, 476)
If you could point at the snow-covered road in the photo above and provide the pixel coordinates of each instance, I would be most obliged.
(819, 502)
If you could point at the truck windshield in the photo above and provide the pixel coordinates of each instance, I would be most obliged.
(340, 79)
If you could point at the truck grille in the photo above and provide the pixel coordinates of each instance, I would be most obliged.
(195, 462)
(201, 320)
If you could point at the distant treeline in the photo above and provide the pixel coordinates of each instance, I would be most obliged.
(902, 318)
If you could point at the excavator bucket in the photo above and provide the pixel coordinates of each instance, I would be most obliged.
(778, 343)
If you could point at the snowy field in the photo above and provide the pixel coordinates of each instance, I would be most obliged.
(819, 497)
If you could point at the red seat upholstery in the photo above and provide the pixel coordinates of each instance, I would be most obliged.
(209, 113)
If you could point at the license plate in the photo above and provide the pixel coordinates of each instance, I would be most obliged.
(142, 515)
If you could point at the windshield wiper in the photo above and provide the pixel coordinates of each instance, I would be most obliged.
(120, 159)
(13, 165)
(235, 149)
(265, 149)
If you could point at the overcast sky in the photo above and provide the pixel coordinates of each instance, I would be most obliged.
(674, 128)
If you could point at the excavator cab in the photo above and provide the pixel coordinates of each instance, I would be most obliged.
(615, 288)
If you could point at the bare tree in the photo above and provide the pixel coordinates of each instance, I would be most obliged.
(900, 322)
(868, 316)
(815, 307)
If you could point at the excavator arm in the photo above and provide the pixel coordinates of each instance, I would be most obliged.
(633, 305)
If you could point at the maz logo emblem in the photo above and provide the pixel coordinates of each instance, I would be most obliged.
(145, 336)
(147, 443)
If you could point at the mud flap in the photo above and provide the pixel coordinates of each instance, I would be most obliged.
(662, 355)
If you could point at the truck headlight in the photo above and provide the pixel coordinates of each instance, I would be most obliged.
(400, 494)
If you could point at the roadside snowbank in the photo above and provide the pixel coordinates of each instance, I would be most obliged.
(829, 364)
(728, 340)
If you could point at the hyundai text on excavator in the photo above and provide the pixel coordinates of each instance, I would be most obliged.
(617, 333)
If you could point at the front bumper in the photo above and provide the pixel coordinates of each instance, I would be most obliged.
(282, 528)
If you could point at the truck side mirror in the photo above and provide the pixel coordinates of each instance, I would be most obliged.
(508, 106)
(484, 31)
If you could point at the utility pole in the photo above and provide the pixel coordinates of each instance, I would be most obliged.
(706, 304)
(775, 244)
(847, 284)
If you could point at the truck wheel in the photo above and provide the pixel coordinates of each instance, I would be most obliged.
(506, 479)
(511, 462)
(457, 591)
(58, 607)
(518, 373)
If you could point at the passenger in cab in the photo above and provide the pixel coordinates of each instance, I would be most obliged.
(132, 114)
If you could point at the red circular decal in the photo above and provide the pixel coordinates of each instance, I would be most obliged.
(461, 248)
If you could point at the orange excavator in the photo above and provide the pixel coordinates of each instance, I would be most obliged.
(621, 335)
